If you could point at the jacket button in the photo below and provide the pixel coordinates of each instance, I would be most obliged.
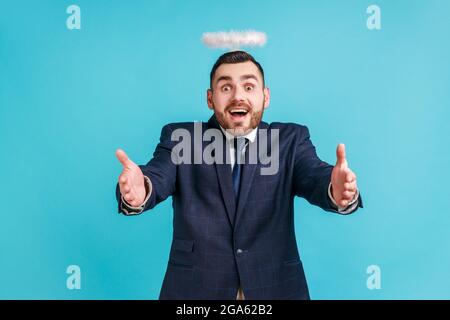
(238, 251)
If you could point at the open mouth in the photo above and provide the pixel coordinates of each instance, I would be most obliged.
(238, 113)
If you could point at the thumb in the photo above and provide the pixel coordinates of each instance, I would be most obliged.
(340, 154)
(122, 156)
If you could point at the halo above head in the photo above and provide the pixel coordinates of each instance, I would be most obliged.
(234, 40)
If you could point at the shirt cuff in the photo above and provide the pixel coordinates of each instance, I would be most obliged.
(129, 209)
(350, 207)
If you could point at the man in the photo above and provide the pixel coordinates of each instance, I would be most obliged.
(233, 226)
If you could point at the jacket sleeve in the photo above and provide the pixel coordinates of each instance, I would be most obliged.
(312, 176)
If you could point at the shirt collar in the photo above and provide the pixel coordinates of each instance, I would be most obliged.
(250, 136)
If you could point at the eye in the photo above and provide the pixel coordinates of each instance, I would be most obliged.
(226, 88)
(249, 87)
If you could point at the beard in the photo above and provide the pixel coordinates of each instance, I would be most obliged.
(239, 127)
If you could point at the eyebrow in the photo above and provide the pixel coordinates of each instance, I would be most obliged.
(243, 77)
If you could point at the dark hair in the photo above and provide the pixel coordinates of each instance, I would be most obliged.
(234, 57)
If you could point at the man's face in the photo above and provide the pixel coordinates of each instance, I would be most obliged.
(238, 97)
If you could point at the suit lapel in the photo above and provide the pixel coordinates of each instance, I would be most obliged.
(226, 187)
(248, 173)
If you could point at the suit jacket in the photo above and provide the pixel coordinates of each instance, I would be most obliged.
(220, 243)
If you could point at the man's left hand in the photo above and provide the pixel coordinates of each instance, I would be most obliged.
(343, 180)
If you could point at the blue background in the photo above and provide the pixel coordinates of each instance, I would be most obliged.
(69, 98)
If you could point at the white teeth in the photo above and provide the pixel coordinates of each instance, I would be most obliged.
(238, 110)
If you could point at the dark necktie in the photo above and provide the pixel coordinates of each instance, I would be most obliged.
(239, 145)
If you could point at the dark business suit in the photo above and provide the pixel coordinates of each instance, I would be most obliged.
(220, 244)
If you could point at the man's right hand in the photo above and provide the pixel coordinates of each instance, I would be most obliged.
(131, 181)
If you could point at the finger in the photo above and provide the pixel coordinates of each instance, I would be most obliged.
(122, 156)
(123, 179)
(348, 195)
(350, 176)
(136, 203)
(126, 188)
(343, 203)
(133, 203)
(340, 154)
(128, 197)
(350, 186)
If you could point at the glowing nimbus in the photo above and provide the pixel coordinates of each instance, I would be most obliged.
(234, 39)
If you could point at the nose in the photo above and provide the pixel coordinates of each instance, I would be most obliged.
(238, 94)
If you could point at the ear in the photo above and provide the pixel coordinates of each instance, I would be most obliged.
(209, 99)
(266, 97)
